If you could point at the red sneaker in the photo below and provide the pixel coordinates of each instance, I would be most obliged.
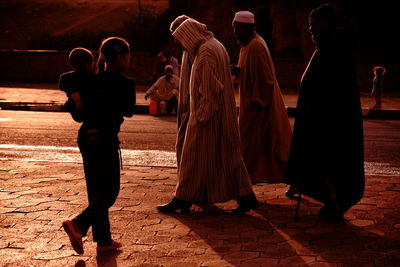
(74, 234)
(112, 247)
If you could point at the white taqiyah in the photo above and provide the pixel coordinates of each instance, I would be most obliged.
(244, 17)
(169, 67)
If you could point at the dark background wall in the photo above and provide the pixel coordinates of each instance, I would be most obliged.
(63, 25)
(284, 26)
(46, 66)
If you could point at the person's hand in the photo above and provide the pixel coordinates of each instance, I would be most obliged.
(146, 96)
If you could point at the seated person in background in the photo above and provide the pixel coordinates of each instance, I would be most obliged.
(165, 92)
(75, 82)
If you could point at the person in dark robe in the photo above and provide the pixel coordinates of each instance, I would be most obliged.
(326, 159)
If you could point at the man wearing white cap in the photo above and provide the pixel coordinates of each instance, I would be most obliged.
(263, 121)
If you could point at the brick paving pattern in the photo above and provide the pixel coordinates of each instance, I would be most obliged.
(35, 197)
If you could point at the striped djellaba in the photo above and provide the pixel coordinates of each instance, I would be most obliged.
(211, 168)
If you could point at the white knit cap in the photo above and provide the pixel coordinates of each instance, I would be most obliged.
(169, 67)
(244, 17)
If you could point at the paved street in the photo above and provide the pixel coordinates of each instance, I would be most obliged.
(36, 196)
(141, 132)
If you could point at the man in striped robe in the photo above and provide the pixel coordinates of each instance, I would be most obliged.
(211, 168)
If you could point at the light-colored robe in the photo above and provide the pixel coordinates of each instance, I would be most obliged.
(211, 168)
(183, 104)
(264, 124)
(163, 89)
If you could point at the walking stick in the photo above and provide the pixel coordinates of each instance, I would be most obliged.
(296, 216)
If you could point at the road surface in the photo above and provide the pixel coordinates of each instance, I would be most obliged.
(150, 141)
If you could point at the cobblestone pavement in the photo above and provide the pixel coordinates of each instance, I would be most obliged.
(35, 197)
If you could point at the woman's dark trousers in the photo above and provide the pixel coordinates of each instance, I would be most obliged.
(101, 165)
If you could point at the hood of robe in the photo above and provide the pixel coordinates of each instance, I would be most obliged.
(191, 34)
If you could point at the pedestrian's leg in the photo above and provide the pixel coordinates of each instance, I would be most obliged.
(79, 226)
(246, 203)
(169, 106)
(172, 105)
(85, 219)
(174, 205)
(162, 107)
(106, 195)
(291, 191)
(378, 99)
(90, 162)
(296, 216)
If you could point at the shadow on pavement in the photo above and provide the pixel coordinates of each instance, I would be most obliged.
(270, 236)
(241, 239)
(344, 241)
(108, 259)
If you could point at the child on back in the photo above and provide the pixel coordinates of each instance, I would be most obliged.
(78, 81)
(105, 108)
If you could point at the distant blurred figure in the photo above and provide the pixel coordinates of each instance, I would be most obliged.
(78, 81)
(326, 160)
(264, 125)
(165, 58)
(211, 167)
(377, 86)
(165, 92)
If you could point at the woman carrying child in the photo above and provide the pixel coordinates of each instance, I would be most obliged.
(112, 98)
